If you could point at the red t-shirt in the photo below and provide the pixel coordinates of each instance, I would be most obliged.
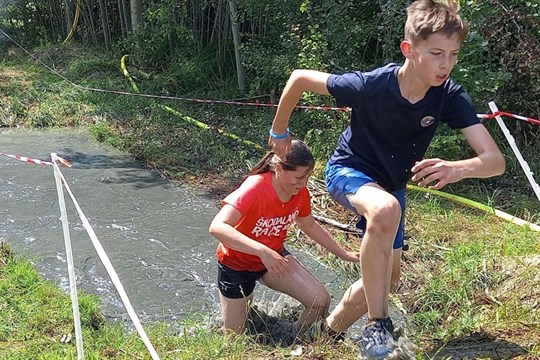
(264, 219)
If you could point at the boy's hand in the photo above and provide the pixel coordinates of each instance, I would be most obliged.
(280, 146)
(437, 171)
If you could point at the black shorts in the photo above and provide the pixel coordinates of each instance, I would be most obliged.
(234, 284)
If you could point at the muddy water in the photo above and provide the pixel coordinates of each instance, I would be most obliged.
(155, 234)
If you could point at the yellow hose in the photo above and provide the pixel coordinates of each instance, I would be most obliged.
(458, 199)
(126, 74)
(75, 22)
(182, 116)
(477, 205)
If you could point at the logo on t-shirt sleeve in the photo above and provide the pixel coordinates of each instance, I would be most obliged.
(273, 226)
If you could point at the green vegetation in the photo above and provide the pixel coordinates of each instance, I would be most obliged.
(470, 280)
(467, 273)
(36, 315)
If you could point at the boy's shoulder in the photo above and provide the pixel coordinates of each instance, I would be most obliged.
(390, 68)
(348, 86)
(381, 76)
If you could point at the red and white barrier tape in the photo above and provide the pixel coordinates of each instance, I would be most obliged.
(208, 101)
(507, 114)
(35, 161)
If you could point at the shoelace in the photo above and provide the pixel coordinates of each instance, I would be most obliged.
(376, 336)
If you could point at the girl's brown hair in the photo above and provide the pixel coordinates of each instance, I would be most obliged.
(426, 17)
(297, 155)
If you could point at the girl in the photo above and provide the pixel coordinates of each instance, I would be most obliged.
(251, 229)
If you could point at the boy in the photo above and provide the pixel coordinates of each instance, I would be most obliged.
(395, 112)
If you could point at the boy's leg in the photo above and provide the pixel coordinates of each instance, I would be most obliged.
(234, 312)
(383, 214)
(353, 305)
(300, 284)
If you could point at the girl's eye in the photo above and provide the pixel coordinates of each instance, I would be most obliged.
(436, 53)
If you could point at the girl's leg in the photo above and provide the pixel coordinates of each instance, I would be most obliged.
(234, 312)
(353, 305)
(300, 284)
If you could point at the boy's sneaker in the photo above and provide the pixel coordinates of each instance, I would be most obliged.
(378, 339)
(398, 332)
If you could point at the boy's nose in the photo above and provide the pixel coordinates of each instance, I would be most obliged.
(445, 62)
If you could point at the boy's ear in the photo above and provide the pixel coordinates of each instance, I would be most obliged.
(406, 48)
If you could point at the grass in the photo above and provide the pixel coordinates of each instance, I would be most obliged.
(35, 315)
(470, 280)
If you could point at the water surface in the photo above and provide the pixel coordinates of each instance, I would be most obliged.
(155, 234)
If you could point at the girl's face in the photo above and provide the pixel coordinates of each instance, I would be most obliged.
(292, 181)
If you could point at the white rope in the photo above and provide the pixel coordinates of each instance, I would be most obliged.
(69, 257)
(112, 273)
(514, 147)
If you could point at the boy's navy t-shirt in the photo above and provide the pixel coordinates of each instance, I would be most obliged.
(387, 134)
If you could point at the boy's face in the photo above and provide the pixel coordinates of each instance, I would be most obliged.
(434, 58)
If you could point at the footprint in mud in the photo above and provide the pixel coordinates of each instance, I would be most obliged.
(276, 330)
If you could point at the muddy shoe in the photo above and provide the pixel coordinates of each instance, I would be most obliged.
(377, 341)
(396, 334)
(320, 331)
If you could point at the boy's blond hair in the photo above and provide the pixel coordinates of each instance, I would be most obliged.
(426, 17)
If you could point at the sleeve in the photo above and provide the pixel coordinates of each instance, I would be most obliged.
(243, 198)
(305, 206)
(346, 88)
(460, 112)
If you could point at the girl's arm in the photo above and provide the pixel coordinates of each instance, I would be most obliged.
(318, 233)
(223, 229)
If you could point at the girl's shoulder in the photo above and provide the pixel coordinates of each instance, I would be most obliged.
(256, 182)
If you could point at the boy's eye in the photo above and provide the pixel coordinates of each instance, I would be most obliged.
(435, 53)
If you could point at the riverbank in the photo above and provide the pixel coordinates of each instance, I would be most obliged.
(36, 323)
(470, 280)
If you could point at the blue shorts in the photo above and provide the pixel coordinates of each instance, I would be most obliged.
(342, 181)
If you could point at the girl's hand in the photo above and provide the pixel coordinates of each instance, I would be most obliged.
(276, 264)
(353, 256)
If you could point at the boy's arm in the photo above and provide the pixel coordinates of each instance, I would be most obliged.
(299, 82)
(318, 233)
(488, 162)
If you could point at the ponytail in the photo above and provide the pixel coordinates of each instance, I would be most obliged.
(298, 155)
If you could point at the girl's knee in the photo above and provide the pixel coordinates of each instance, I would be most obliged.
(320, 303)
